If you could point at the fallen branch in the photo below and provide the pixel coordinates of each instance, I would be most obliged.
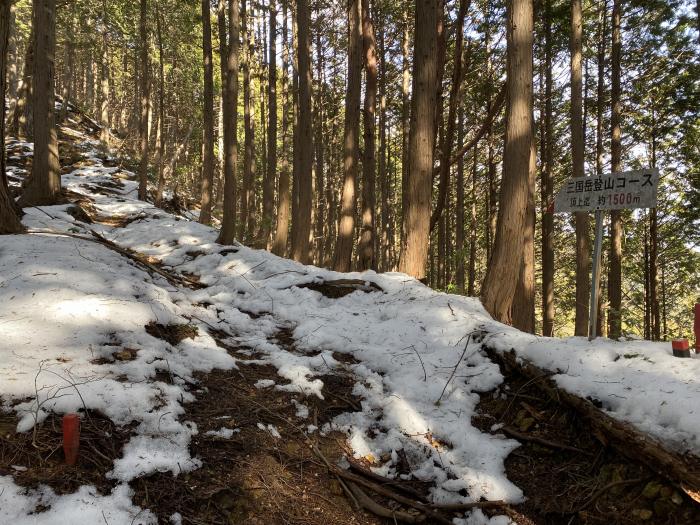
(355, 465)
(387, 493)
(372, 506)
(437, 403)
(541, 441)
(172, 278)
(462, 507)
(683, 470)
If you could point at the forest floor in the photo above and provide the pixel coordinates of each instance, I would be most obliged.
(219, 384)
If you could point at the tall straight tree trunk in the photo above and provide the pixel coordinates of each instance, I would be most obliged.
(405, 114)
(320, 148)
(247, 207)
(295, 125)
(45, 182)
(367, 240)
(518, 165)
(300, 249)
(351, 148)
(384, 242)
(223, 66)
(547, 184)
(104, 79)
(615, 270)
(448, 139)
(145, 100)
(230, 94)
(416, 222)
(271, 173)
(583, 290)
(600, 151)
(9, 219)
(647, 309)
(279, 247)
(492, 193)
(208, 120)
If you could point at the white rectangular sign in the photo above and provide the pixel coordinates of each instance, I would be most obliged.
(616, 191)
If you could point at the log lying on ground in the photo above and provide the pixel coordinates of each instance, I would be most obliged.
(341, 287)
(681, 469)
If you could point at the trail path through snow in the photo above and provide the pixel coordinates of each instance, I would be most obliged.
(66, 303)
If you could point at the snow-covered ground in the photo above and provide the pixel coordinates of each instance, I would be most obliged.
(65, 302)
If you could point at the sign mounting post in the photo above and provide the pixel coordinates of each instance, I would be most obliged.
(616, 191)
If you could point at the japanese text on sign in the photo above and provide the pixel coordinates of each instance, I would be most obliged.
(617, 191)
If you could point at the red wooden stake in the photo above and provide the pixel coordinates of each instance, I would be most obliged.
(71, 437)
(697, 328)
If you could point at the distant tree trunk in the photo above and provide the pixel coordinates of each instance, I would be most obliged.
(20, 115)
(271, 173)
(208, 120)
(547, 185)
(70, 73)
(9, 219)
(416, 222)
(577, 153)
(471, 291)
(655, 316)
(160, 143)
(459, 234)
(145, 100)
(230, 94)
(448, 139)
(279, 247)
(45, 182)
(247, 206)
(615, 270)
(223, 110)
(492, 186)
(300, 250)
(12, 60)
(518, 165)
(343, 249)
(367, 240)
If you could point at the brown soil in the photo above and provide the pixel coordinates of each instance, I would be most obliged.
(254, 477)
(172, 333)
(101, 442)
(592, 486)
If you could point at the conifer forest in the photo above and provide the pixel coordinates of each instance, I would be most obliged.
(359, 261)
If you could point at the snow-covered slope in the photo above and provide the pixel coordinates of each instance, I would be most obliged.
(67, 301)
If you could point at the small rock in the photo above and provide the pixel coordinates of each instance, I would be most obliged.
(676, 498)
(526, 424)
(128, 354)
(666, 492)
(652, 489)
(642, 514)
